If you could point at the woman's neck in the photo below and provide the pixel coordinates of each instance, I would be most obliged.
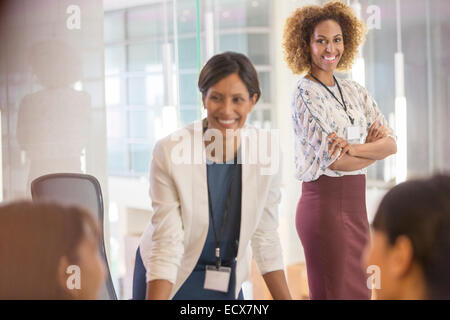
(327, 77)
(414, 286)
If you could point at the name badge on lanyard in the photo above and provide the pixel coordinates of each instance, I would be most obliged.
(353, 134)
(217, 279)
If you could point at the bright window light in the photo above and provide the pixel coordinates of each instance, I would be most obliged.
(400, 130)
(358, 71)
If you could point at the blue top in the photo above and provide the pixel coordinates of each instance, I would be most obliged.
(219, 176)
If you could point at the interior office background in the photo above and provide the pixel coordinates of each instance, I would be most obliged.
(90, 86)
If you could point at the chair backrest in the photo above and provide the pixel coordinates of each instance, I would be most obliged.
(82, 190)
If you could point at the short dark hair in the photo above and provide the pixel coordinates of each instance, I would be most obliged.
(224, 64)
(33, 238)
(420, 210)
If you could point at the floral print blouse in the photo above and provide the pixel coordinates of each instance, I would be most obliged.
(316, 114)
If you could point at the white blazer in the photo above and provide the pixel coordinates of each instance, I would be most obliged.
(173, 241)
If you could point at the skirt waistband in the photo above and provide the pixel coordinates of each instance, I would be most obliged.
(344, 184)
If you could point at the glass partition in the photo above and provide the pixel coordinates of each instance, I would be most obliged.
(90, 86)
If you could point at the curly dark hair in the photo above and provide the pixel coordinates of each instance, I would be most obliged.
(300, 26)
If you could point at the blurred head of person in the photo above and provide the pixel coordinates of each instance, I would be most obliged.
(411, 240)
(49, 251)
(230, 89)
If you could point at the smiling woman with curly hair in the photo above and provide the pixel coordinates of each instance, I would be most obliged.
(339, 131)
(300, 27)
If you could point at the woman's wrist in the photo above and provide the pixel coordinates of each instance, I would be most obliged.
(277, 285)
(351, 163)
(158, 289)
(376, 150)
(366, 150)
(355, 150)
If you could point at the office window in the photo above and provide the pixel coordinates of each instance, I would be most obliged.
(420, 41)
(134, 84)
(136, 68)
(245, 27)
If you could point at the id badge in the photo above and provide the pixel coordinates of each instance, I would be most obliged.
(217, 279)
(353, 134)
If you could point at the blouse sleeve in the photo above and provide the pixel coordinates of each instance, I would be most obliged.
(311, 130)
(372, 111)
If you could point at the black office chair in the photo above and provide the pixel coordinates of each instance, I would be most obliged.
(77, 189)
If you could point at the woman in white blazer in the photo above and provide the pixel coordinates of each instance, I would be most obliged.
(214, 208)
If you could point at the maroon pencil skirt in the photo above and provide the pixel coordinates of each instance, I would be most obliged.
(332, 224)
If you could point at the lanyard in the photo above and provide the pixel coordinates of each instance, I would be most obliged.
(224, 218)
(340, 92)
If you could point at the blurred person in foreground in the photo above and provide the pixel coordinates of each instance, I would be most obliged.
(411, 240)
(49, 252)
(212, 216)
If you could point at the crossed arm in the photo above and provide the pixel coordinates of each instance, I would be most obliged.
(378, 145)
